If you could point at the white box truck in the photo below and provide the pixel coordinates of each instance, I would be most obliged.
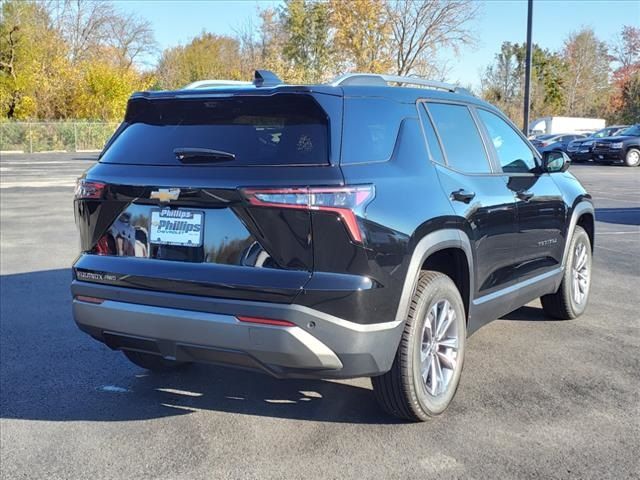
(552, 125)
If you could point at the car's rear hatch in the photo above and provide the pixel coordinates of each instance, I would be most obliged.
(169, 205)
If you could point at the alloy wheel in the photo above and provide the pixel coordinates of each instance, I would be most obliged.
(440, 346)
(580, 274)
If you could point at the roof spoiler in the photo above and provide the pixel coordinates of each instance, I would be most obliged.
(266, 78)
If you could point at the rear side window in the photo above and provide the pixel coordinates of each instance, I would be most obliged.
(370, 129)
(281, 129)
(514, 154)
(460, 138)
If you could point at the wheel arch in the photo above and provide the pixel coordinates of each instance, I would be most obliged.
(587, 222)
(432, 252)
(583, 214)
(453, 262)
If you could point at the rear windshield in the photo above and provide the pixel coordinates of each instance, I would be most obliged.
(282, 129)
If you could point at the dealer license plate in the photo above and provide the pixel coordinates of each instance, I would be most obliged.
(177, 227)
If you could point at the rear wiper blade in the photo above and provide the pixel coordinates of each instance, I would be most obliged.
(202, 155)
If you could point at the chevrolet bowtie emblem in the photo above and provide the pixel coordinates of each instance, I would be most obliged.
(165, 194)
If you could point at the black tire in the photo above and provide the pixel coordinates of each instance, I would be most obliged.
(562, 304)
(632, 158)
(402, 392)
(152, 362)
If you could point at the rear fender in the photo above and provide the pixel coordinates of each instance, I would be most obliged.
(428, 245)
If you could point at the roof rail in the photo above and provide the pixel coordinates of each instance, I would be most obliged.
(376, 79)
(214, 83)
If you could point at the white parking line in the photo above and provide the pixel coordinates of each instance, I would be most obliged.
(618, 251)
(598, 198)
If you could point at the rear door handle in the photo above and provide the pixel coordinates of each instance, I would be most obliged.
(462, 195)
(525, 196)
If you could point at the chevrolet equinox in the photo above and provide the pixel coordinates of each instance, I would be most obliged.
(364, 227)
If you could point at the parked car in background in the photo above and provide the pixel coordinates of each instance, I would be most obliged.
(580, 150)
(557, 125)
(555, 142)
(622, 148)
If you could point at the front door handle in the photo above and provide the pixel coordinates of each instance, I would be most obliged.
(525, 196)
(462, 195)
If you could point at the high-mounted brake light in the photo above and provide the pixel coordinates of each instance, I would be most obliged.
(88, 190)
(344, 201)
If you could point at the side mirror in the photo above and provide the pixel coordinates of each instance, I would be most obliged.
(555, 161)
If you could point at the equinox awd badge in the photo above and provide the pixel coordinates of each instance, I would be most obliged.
(165, 194)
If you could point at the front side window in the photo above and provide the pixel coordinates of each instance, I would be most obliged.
(514, 154)
(633, 131)
(460, 138)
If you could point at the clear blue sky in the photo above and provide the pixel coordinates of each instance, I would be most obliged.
(177, 22)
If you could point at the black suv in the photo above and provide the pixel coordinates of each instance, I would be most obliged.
(360, 228)
(580, 150)
(623, 148)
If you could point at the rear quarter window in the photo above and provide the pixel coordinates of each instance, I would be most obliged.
(370, 128)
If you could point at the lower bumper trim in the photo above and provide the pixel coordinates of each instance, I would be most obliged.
(315, 345)
(201, 336)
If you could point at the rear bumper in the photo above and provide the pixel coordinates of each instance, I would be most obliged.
(201, 329)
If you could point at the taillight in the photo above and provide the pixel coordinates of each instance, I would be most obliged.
(346, 202)
(88, 190)
(103, 247)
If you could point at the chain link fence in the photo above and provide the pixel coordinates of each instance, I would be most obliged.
(30, 137)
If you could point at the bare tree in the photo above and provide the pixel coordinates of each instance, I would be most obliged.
(131, 37)
(626, 47)
(423, 27)
(7, 64)
(587, 61)
(90, 26)
(250, 48)
(83, 24)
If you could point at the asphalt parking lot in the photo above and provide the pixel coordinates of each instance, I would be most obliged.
(538, 398)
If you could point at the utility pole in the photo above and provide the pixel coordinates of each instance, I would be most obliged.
(527, 74)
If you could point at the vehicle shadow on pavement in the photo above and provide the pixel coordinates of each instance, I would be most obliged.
(528, 314)
(49, 370)
(622, 216)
